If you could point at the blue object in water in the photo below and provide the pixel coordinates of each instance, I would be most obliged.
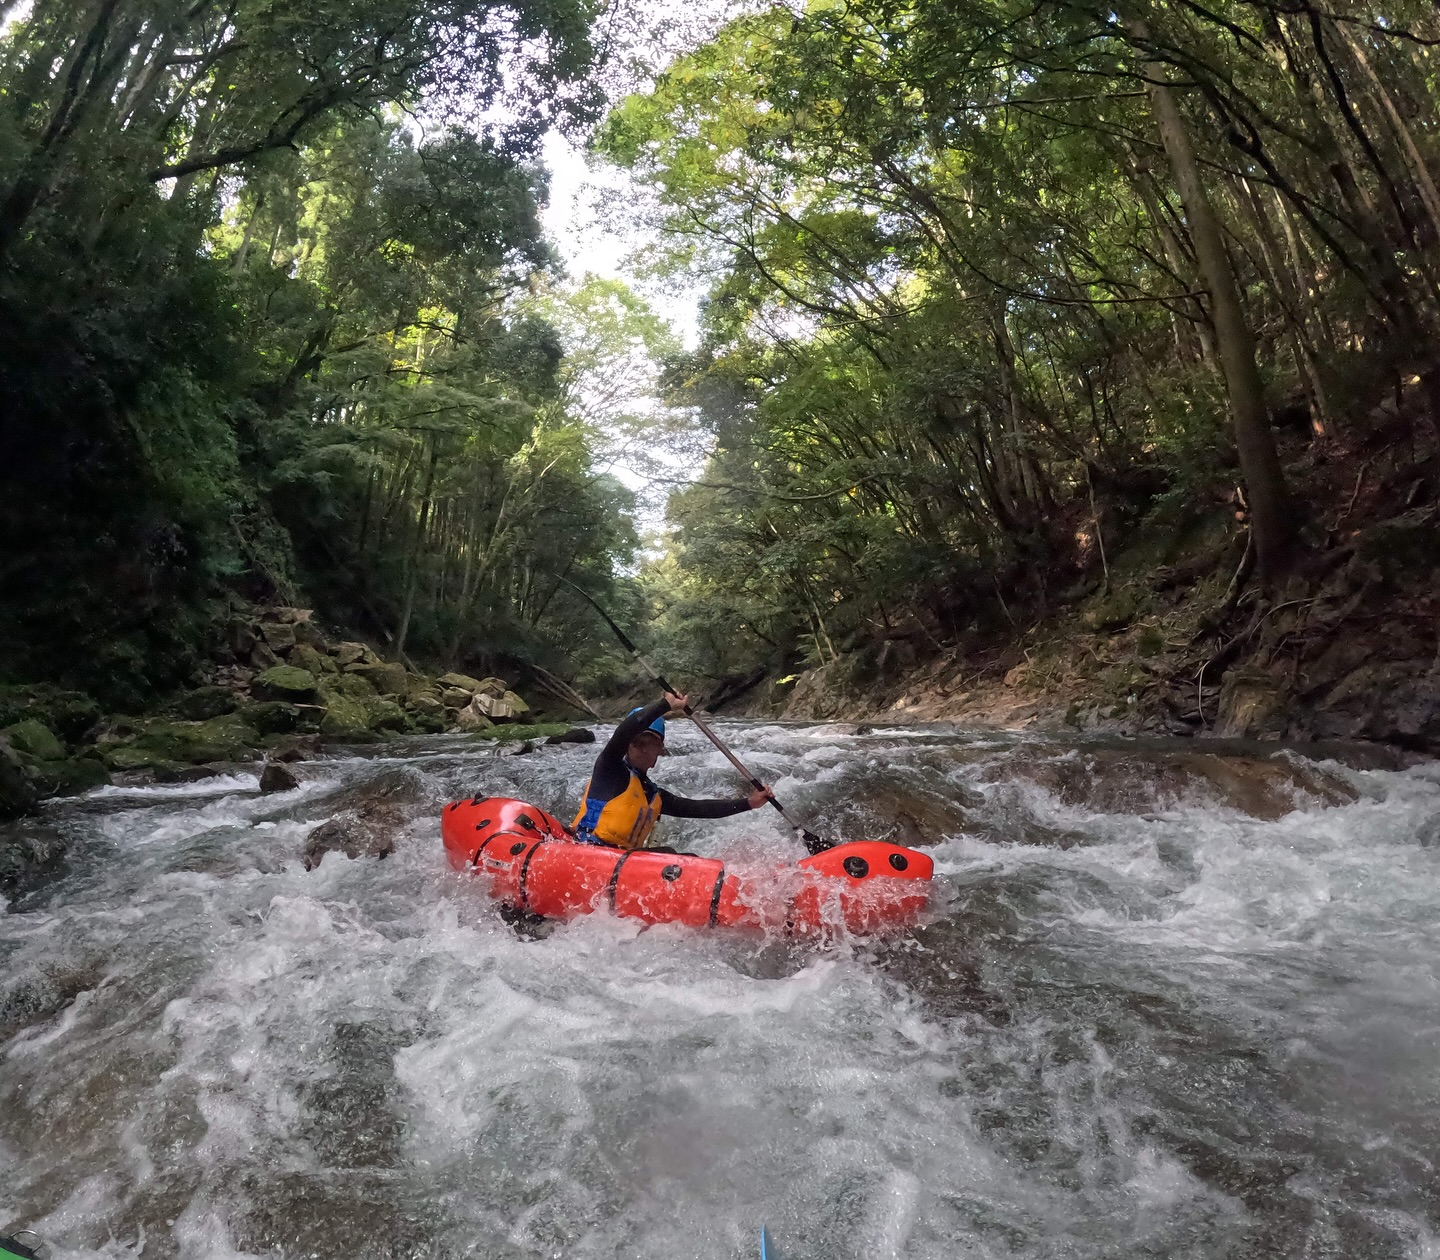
(767, 1252)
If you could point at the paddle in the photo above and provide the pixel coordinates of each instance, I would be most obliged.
(812, 842)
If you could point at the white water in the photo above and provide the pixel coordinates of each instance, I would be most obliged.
(1167, 1030)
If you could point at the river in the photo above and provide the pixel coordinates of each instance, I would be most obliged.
(1170, 1001)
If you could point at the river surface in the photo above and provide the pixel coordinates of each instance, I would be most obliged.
(1167, 1003)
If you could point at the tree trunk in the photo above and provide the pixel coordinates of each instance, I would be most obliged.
(1272, 520)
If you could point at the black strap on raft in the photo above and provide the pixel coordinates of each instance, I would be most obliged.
(615, 875)
(715, 896)
(525, 872)
(11, 1248)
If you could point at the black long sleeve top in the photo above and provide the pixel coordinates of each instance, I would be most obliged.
(612, 772)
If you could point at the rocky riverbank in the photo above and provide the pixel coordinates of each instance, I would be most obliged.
(1172, 640)
(279, 689)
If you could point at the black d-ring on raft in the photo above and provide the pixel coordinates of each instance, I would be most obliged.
(856, 867)
(899, 861)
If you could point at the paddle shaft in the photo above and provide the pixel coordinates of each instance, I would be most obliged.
(811, 841)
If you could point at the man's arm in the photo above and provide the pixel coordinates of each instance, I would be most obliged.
(688, 807)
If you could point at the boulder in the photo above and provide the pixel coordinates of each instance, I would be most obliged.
(351, 685)
(309, 634)
(428, 723)
(508, 705)
(454, 698)
(289, 616)
(575, 735)
(277, 778)
(285, 682)
(386, 715)
(241, 636)
(173, 772)
(425, 700)
(17, 793)
(366, 832)
(72, 715)
(290, 750)
(1252, 706)
(279, 636)
(303, 656)
(1394, 701)
(462, 682)
(1111, 612)
(271, 717)
(206, 702)
(27, 853)
(471, 717)
(387, 679)
(34, 739)
(345, 718)
(68, 777)
(225, 738)
(262, 657)
(353, 654)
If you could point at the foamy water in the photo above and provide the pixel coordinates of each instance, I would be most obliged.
(1140, 1022)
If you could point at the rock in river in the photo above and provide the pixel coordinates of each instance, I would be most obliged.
(285, 682)
(277, 778)
(365, 832)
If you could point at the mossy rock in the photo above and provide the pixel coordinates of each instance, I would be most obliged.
(462, 682)
(70, 714)
(206, 702)
(68, 777)
(537, 730)
(190, 743)
(1112, 612)
(387, 679)
(303, 656)
(345, 718)
(128, 757)
(272, 717)
(386, 715)
(422, 700)
(1150, 641)
(427, 723)
(285, 682)
(17, 792)
(351, 686)
(32, 738)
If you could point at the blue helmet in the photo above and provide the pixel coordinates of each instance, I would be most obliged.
(658, 725)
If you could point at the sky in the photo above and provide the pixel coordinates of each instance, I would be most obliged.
(588, 244)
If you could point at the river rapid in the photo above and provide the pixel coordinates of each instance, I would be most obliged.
(1171, 1000)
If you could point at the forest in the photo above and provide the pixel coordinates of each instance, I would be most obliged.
(995, 292)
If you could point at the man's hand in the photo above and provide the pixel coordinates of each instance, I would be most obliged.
(759, 797)
(677, 703)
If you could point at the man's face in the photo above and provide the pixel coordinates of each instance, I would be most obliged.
(645, 751)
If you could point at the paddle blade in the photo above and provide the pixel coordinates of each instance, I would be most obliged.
(815, 844)
(767, 1248)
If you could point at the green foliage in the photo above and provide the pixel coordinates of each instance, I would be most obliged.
(264, 333)
(955, 316)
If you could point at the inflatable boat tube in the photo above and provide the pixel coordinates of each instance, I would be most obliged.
(531, 863)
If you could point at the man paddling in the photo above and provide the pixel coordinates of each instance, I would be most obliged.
(622, 805)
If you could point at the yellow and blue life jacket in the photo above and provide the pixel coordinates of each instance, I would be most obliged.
(625, 821)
